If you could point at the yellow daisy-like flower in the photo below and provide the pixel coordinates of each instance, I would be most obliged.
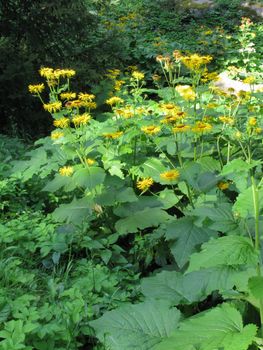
(238, 135)
(56, 135)
(81, 119)
(170, 175)
(74, 104)
(113, 135)
(90, 161)
(151, 129)
(46, 72)
(181, 128)
(249, 80)
(114, 101)
(258, 130)
(170, 119)
(252, 121)
(69, 73)
(86, 97)
(66, 171)
(227, 120)
(68, 95)
(90, 105)
(118, 84)
(223, 185)
(61, 123)
(186, 92)
(202, 127)
(52, 107)
(113, 73)
(138, 75)
(36, 89)
(195, 61)
(144, 184)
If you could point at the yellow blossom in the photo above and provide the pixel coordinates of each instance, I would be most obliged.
(90, 161)
(169, 119)
(114, 101)
(186, 92)
(113, 135)
(90, 105)
(118, 84)
(181, 128)
(68, 95)
(66, 171)
(258, 130)
(36, 89)
(249, 80)
(223, 185)
(252, 121)
(86, 97)
(170, 175)
(238, 135)
(61, 123)
(56, 135)
(227, 120)
(195, 61)
(201, 127)
(74, 104)
(151, 129)
(46, 72)
(144, 184)
(81, 119)
(137, 75)
(53, 106)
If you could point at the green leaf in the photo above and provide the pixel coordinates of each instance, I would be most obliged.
(187, 236)
(168, 198)
(209, 164)
(218, 218)
(153, 167)
(90, 177)
(238, 165)
(148, 217)
(255, 284)
(192, 287)
(138, 327)
(219, 328)
(75, 212)
(244, 205)
(58, 182)
(229, 251)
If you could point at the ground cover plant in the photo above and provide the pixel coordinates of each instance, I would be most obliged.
(139, 226)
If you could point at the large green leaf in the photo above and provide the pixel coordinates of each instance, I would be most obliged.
(255, 284)
(187, 236)
(148, 217)
(228, 251)
(218, 217)
(192, 287)
(219, 328)
(238, 165)
(90, 177)
(244, 205)
(136, 327)
(153, 167)
(74, 212)
(58, 182)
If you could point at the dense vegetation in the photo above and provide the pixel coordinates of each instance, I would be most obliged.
(134, 219)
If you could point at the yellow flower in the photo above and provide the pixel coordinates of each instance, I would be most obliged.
(202, 127)
(113, 135)
(46, 72)
(170, 175)
(186, 92)
(151, 129)
(86, 97)
(61, 123)
(118, 84)
(113, 73)
(68, 95)
(169, 119)
(238, 135)
(114, 101)
(252, 121)
(156, 77)
(195, 61)
(53, 106)
(249, 80)
(137, 75)
(258, 130)
(69, 73)
(66, 171)
(227, 120)
(212, 105)
(74, 104)
(144, 184)
(90, 161)
(36, 89)
(223, 185)
(81, 119)
(181, 128)
(56, 135)
(90, 105)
